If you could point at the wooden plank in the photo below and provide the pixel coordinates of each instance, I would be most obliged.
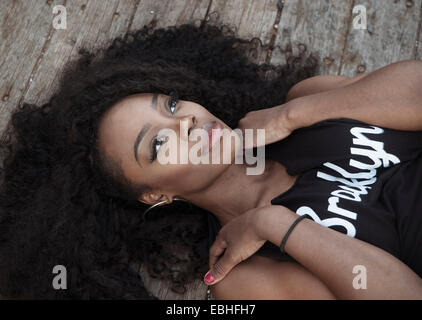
(313, 26)
(417, 52)
(91, 25)
(391, 35)
(24, 30)
(169, 12)
(252, 20)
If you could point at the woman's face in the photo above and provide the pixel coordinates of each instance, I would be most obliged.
(128, 135)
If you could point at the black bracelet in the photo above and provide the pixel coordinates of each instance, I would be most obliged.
(283, 242)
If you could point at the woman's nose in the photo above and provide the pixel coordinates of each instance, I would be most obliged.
(186, 124)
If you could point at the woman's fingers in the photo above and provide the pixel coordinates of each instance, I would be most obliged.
(271, 122)
(236, 241)
(220, 268)
(216, 250)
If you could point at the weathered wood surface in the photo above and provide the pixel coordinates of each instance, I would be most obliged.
(392, 34)
(32, 52)
(314, 26)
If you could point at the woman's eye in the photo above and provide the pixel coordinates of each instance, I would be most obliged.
(157, 142)
(172, 102)
(155, 146)
(172, 107)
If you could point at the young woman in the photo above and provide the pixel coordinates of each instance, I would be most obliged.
(82, 169)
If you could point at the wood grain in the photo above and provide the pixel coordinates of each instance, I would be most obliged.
(24, 30)
(391, 36)
(313, 26)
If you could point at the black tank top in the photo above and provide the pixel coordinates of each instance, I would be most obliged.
(358, 179)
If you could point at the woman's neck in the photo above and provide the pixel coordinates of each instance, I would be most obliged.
(234, 192)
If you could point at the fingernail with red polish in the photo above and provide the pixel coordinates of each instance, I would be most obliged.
(209, 278)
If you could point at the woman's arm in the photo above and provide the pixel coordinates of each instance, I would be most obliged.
(332, 256)
(320, 83)
(390, 97)
(263, 278)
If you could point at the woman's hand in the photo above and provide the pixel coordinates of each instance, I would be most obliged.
(238, 239)
(274, 120)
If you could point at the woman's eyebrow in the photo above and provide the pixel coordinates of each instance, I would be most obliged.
(144, 129)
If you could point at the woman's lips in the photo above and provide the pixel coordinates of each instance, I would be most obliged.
(214, 130)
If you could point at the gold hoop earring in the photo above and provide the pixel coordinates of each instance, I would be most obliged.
(163, 202)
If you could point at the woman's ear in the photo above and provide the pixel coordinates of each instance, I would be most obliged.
(151, 197)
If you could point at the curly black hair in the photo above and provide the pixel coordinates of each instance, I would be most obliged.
(63, 203)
